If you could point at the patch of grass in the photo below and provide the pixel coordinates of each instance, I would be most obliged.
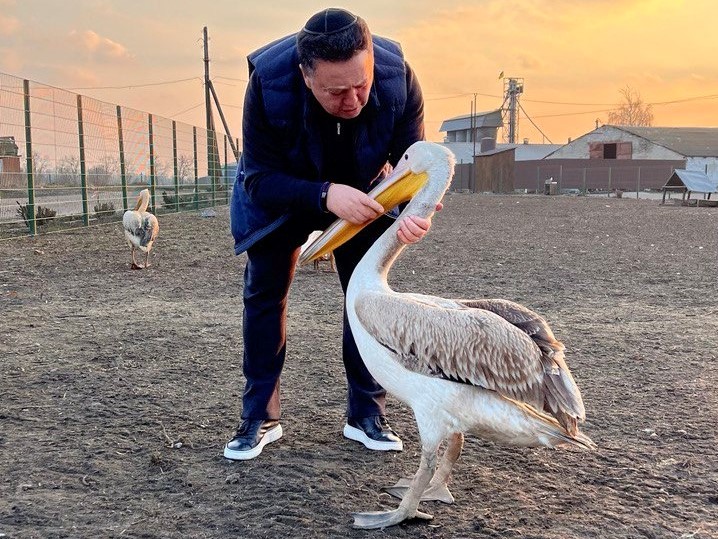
(104, 209)
(43, 215)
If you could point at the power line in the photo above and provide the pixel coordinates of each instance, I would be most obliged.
(133, 85)
(576, 113)
(187, 110)
(569, 103)
(460, 95)
(231, 78)
(684, 100)
(534, 123)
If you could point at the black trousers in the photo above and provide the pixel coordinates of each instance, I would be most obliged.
(268, 275)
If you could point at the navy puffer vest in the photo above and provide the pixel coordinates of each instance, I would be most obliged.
(285, 101)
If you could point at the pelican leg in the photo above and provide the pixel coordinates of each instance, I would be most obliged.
(408, 508)
(437, 491)
(134, 263)
(147, 258)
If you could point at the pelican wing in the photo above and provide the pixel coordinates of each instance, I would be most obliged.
(150, 229)
(495, 344)
(439, 337)
(141, 227)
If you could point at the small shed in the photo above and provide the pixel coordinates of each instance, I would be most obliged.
(690, 181)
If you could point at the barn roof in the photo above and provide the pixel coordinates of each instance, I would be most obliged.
(481, 119)
(687, 141)
(693, 180)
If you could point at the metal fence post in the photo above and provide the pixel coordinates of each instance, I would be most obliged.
(176, 169)
(538, 179)
(30, 208)
(225, 183)
(152, 165)
(609, 179)
(83, 166)
(638, 182)
(196, 169)
(584, 181)
(123, 171)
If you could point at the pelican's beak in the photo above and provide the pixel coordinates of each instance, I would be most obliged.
(398, 187)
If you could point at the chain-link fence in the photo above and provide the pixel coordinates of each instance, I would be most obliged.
(67, 160)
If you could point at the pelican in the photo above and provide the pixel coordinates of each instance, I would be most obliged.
(489, 367)
(141, 228)
(327, 257)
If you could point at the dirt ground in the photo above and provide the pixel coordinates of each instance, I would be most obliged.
(119, 388)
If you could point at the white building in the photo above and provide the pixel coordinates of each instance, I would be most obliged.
(697, 145)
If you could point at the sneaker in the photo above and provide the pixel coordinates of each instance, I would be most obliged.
(251, 437)
(374, 432)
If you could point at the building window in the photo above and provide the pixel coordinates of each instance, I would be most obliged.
(610, 150)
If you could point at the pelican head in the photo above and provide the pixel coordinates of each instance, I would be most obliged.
(425, 166)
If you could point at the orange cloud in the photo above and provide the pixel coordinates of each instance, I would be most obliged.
(10, 60)
(8, 25)
(97, 45)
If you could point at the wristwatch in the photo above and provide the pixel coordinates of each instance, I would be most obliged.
(323, 196)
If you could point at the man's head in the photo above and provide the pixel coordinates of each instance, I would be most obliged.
(337, 61)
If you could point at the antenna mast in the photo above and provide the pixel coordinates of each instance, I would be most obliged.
(513, 88)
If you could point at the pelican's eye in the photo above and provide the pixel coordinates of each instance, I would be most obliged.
(406, 156)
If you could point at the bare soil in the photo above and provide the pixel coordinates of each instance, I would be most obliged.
(119, 388)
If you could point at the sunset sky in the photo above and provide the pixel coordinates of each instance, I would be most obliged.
(574, 55)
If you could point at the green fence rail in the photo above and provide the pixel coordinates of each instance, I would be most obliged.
(67, 160)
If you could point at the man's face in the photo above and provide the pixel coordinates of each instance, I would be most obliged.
(342, 88)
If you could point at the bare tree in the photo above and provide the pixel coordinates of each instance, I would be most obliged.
(68, 170)
(633, 111)
(185, 169)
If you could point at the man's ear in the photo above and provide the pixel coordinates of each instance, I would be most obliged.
(305, 75)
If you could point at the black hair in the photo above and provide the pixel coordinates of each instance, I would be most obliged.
(332, 35)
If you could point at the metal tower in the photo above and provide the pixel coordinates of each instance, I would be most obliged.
(513, 88)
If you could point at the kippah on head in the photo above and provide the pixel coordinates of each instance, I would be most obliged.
(330, 21)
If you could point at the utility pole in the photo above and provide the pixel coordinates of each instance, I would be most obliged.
(472, 179)
(474, 121)
(211, 94)
(207, 82)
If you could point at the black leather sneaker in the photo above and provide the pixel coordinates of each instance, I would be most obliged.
(251, 437)
(374, 432)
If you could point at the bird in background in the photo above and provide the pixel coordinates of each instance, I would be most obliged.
(141, 228)
(489, 367)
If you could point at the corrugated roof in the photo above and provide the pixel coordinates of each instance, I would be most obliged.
(524, 152)
(687, 141)
(481, 119)
(693, 180)
(462, 150)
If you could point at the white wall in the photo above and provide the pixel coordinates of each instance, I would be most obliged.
(708, 165)
(642, 148)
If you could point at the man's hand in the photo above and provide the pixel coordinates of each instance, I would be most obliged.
(352, 204)
(413, 228)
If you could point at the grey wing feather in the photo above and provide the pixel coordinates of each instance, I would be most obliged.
(562, 393)
(443, 338)
(149, 229)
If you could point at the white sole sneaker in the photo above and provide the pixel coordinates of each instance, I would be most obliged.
(358, 435)
(270, 436)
